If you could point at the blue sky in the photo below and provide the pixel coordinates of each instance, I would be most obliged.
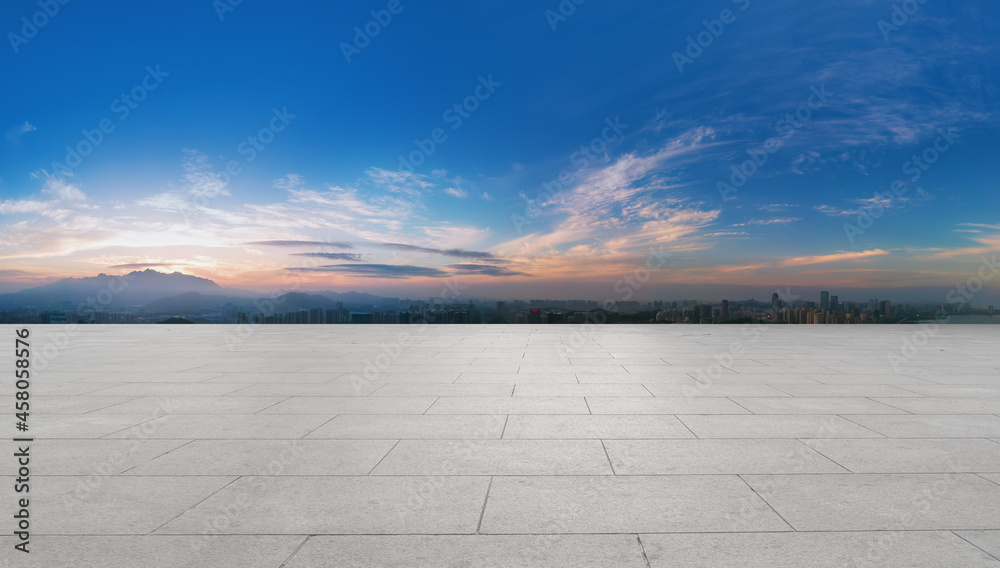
(313, 143)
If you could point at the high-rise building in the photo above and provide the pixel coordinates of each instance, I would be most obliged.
(824, 300)
(834, 303)
(724, 312)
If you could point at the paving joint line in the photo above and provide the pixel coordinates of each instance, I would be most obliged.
(296, 551)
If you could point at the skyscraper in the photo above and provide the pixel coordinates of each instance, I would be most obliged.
(824, 300)
(724, 312)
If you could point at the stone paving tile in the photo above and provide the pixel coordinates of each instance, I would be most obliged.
(116, 504)
(667, 378)
(616, 504)
(475, 551)
(408, 426)
(865, 502)
(83, 425)
(912, 455)
(519, 378)
(839, 391)
(485, 389)
(675, 391)
(957, 391)
(67, 404)
(817, 550)
(667, 457)
(496, 457)
(988, 541)
(691, 405)
(93, 457)
(775, 426)
(160, 551)
(169, 389)
(359, 388)
(269, 457)
(928, 426)
(224, 426)
(605, 426)
(814, 405)
(192, 405)
(341, 505)
(352, 405)
(927, 405)
(585, 390)
(509, 405)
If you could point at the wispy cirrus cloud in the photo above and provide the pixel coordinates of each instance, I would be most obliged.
(835, 257)
(333, 255)
(375, 270)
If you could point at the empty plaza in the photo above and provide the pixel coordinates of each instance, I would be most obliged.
(509, 445)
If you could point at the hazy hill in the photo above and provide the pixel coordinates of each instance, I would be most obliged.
(130, 289)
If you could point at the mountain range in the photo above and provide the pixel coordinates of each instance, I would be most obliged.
(162, 293)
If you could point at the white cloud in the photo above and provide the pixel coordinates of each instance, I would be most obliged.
(456, 192)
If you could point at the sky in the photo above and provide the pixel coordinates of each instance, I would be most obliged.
(507, 149)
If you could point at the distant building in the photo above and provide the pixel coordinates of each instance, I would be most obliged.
(824, 300)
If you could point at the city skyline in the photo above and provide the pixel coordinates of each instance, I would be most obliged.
(554, 153)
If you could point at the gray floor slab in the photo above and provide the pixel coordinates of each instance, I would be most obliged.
(159, 551)
(988, 541)
(396, 427)
(83, 425)
(605, 426)
(932, 426)
(71, 505)
(664, 457)
(216, 426)
(585, 390)
(814, 405)
(352, 405)
(509, 405)
(193, 405)
(648, 405)
(619, 504)
(496, 457)
(67, 404)
(288, 389)
(93, 457)
(952, 405)
(841, 391)
(776, 426)
(860, 502)
(476, 551)
(959, 391)
(713, 390)
(912, 455)
(269, 457)
(341, 505)
(819, 550)
(485, 389)
(169, 389)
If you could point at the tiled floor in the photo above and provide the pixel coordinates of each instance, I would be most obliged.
(506, 446)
